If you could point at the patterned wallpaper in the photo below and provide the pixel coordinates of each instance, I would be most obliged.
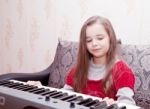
(30, 29)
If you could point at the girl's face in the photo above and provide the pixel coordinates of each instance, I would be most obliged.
(97, 41)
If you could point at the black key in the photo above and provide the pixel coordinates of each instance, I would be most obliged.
(34, 89)
(27, 88)
(93, 102)
(10, 85)
(67, 97)
(57, 95)
(99, 105)
(60, 96)
(17, 86)
(75, 99)
(4, 82)
(48, 92)
(45, 92)
(54, 93)
(20, 86)
(39, 91)
(84, 101)
(113, 106)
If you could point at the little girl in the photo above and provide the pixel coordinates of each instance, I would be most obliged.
(98, 71)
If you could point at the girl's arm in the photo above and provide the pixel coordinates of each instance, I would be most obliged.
(124, 81)
(125, 95)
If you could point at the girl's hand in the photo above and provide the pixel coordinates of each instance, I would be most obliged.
(35, 83)
(109, 101)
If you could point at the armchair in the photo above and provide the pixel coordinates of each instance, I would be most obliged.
(136, 56)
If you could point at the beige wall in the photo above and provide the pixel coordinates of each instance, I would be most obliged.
(29, 29)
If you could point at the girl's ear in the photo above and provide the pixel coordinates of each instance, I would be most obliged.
(119, 41)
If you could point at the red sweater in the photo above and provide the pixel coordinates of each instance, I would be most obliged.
(122, 76)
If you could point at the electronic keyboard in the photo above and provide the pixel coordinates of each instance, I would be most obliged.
(20, 95)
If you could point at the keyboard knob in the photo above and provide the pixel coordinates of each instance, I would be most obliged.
(72, 105)
(92, 107)
(47, 98)
(123, 107)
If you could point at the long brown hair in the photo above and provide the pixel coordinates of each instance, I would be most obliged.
(81, 72)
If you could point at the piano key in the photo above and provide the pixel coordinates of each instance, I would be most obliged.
(49, 92)
(60, 96)
(99, 105)
(84, 101)
(34, 89)
(20, 86)
(27, 88)
(54, 93)
(46, 92)
(10, 85)
(39, 91)
(113, 106)
(67, 97)
(4, 82)
(75, 99)
(93, 102)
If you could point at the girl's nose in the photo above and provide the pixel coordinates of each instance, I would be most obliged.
(94, 42)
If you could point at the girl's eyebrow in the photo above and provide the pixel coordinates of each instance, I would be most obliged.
(88, 37)
(100, 35)
(96, 35)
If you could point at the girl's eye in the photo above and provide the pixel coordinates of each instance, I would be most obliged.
(88, 40)
(100, 38)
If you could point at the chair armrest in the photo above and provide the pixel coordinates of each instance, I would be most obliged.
(42, 76)
(39, 76)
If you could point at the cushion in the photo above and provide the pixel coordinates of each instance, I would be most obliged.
(138, 58)
(65, 58)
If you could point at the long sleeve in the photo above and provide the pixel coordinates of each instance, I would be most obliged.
(124, 81)
(125, 95)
